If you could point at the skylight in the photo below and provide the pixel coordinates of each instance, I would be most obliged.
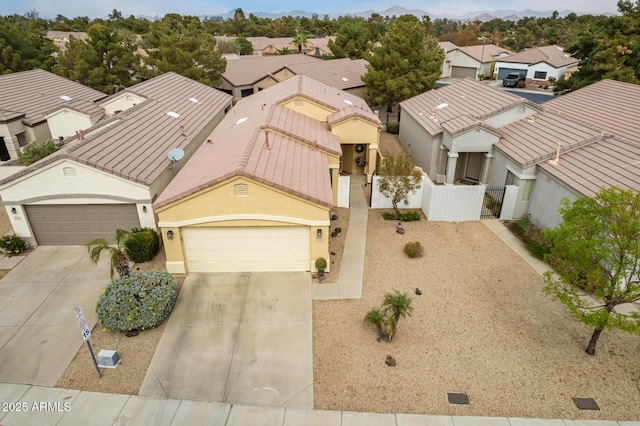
(345, 79)
(348, 102)
(66, 98)
(195, 101)
(173, 114)
(442, 105)
(242, 120)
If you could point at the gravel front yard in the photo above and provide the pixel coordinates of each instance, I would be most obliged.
(482, 326)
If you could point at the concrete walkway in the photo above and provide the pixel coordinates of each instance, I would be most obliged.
(349, 285)
(538, 265)
(26, 405)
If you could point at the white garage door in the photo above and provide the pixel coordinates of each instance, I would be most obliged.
(252, 249)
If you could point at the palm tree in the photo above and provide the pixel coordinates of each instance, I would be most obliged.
(300, 39)
(397, 305)
(375, 317)
(118, 256)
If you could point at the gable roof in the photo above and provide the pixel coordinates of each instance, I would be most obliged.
(37, 93)
(482, 53)
(268, 143)
(552, 55)
(341, 73)
(246, 71)
(466, 97)
(134, 143)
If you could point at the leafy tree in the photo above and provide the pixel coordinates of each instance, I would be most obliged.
(118, 260)
(352, 41)
(608, 47)
(385, 319)
(407, 63)
(24, 47)
(399, 177)
(244, 45)
(37, 151)
(597, 247)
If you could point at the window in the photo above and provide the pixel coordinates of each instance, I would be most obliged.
(241, 190)
(540, 75)
(528, 189)
(22, 139)
(512, 179)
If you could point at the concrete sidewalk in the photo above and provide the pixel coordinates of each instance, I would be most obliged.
(349, 285)
(26, 405)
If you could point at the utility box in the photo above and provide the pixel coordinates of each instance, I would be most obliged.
(108, 359)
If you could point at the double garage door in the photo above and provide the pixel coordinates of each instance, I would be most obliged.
(462, 72)
(79, 224)
(247, 249)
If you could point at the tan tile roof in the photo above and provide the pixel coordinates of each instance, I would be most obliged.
(611, 105)
(250, 70)
(447, 46)
(553, 55)
(134, 143)
(341, 73)
(536, 139)
(611, 162)
(466, 97)
(37, 93)
(463, 123)
(482, 53)
(289, 162)
(65, 35)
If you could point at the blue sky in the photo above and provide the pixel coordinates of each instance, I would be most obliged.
(93, 9)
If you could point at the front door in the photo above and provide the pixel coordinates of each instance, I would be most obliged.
(473, 167)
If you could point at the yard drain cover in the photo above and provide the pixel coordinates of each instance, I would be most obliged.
(586, 403)
(458, 398)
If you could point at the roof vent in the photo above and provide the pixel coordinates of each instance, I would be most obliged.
(345, 79)
(66, 98)
(241, 120)
(348, 102)
(173, 114)
(442, 105)
(195, 101)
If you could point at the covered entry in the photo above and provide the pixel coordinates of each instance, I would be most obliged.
(247, 249)
(70, 224)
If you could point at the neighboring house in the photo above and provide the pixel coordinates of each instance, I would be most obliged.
(242, 75)
(37, 105)
(108, 176)
(257, 195)
(469, 133)
(470, 61)
(538, 64)
(272, 46)
(61, 38)
(344, 74)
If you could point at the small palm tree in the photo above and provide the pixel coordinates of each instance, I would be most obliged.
(300, 40)
(118, 256)
(397, 305)
(37, 151)
(375, 317)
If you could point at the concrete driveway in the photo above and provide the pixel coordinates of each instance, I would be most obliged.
(39, 335)
(241, 338)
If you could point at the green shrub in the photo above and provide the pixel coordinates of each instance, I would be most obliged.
(138, 301)
(414, 249)
(37, 151)
(141, 245)
(534, 238)
(393, 128)
(321, 263)
(12, 244)
(410, 216)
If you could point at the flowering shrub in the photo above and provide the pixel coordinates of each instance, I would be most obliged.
(12, 244)
(137, 301)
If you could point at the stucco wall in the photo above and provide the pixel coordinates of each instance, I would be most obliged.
(452, 203)
(66, 122)
(121, 103)
(356, 130)
(509, 116)
(379, 201)
(420, 145)
(545, 200)
(308, 108)
(556, 73)
(39, 133)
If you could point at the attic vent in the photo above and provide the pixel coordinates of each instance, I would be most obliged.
(195, 101)
(173, 114)
(69, 172)
(241, 190)
(299, 102)
(520, 110)
(66, 98)
(128, 98)
(348, 102)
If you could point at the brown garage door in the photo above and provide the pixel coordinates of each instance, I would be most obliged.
(78, 224)
(462, 72)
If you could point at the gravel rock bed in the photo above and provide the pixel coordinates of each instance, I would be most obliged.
(482, 326)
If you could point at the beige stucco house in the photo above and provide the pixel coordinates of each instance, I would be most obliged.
(538, 64)
(109, 175)
(470, 61)
(256, 196)
(37, 105)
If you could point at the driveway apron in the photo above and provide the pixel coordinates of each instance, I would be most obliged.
(39, 335)
(242, 338)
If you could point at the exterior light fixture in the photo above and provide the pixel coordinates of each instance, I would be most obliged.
(144, 209)
(13, 210)
(319, 233)
(170, 234)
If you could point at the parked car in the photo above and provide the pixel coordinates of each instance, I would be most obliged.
(514, 80)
